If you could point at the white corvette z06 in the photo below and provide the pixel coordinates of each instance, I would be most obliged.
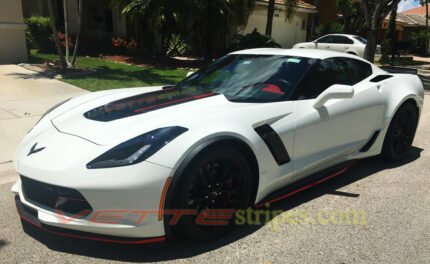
(138, 165)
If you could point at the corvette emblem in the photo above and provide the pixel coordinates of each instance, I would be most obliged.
(34, 150)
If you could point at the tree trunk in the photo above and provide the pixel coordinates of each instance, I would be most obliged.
(393, 35)
(78, 34)
(370, 50)
(55, 32)
(209, 32)
(66, 30)
(427, 48)
(270, 14)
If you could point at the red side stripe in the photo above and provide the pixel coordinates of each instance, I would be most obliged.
(342, 171)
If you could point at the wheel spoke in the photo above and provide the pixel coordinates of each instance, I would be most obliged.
(217, 185)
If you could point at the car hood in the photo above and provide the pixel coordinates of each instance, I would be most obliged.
(114, 118)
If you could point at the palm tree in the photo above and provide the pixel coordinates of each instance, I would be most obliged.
(426, 4)
(65, 60)
(210, 20)
(289, 5)
(55, 35)
(78, 34)
(213, 20)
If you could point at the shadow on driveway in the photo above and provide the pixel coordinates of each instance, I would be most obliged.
(3, 243)
(175, 249)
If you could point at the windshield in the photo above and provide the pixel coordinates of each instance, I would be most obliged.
(362, 40)
(250, 78)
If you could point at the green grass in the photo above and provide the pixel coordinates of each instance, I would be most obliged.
(112, 75)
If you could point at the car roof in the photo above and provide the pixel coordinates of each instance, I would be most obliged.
(306, 53)
(345, 35)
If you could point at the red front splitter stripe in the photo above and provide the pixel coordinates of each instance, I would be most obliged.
(94, 237)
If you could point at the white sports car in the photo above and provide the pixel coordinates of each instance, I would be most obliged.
(137, 165)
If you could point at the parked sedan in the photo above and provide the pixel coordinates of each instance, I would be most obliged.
(338, 42)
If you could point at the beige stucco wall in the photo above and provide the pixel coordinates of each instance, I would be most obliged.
(12, 36)
(285, 32)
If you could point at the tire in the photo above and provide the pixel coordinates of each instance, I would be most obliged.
(400, 133)
(218, 178)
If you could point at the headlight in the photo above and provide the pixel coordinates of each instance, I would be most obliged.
(136, 149)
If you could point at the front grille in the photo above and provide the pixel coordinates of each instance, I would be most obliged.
(55, 198)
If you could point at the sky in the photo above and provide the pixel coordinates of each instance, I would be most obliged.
(408, 4)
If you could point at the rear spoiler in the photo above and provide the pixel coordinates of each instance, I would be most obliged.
(399, 70)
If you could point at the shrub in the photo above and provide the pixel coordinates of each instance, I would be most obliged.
(176, 46)
(331, 28)
(38, 32)
(253, 40)
(122, 46)
(418, 42)
(62, 38)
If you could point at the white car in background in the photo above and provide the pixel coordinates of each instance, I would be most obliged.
(351, 44)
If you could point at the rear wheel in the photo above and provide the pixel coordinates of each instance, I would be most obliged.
(401, 133)
(217, 179)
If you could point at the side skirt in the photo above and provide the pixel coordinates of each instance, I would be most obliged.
(306, 183)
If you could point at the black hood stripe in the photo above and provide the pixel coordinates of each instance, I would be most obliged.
(144, 103)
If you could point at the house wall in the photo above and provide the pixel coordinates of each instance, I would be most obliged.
(285, 32)
(13, 47)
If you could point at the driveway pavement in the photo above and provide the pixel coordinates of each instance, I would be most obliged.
(391, 224)
(24, 96)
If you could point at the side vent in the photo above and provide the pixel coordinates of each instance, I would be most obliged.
(274, 143)
(371, 141)
(380, 78)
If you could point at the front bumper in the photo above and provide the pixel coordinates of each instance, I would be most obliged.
(127, 208)
(30, 216)
(124, 201)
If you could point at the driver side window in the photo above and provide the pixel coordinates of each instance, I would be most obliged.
(324, 76)
(327, 39)
(331, 71)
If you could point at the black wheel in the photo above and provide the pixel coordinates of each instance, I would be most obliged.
(401, 133)
(217, 179)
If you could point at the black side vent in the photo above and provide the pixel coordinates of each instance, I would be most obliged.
(380, 78)
(274, 143)
(370, 143)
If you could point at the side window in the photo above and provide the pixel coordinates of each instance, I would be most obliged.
(345, 76)
(332, 71)
(343, 40)
(327, 39)
(317, 81)
(360, 70)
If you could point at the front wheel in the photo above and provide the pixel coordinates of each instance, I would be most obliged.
(400, 133)
(216, 180)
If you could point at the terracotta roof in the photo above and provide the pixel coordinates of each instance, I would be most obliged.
(300, 4)
(421, 10)
(410, 19)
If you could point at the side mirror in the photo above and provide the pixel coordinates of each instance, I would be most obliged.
(336, 91)
(190, 73)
